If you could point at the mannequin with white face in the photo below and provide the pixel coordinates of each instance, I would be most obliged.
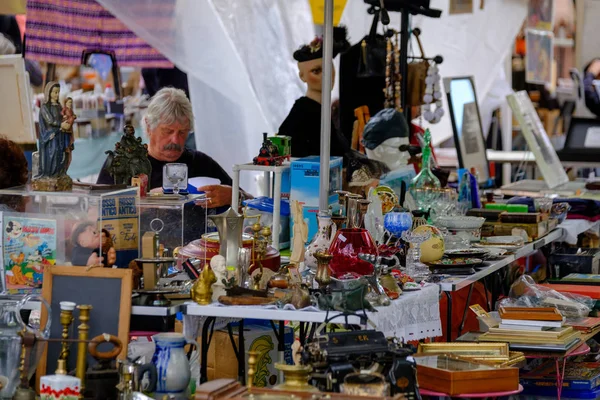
(388, 152)
(383, 135)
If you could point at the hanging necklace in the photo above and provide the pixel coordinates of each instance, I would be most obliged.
(392, 73)
(433, 93)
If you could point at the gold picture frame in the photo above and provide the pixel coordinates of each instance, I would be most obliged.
(461, 7)
(492, 352)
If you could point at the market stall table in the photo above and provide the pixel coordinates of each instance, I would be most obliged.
(567, 231)
(413, 316)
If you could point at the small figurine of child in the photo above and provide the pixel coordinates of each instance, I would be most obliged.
(68, 116)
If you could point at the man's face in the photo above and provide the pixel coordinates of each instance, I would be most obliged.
(311, 72)
(167, 141)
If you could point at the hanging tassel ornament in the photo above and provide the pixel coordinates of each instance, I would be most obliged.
(433, 93)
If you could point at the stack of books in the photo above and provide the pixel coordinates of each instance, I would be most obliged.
(581, 380)
(533, 329)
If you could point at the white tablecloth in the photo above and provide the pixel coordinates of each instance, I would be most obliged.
(413, 316)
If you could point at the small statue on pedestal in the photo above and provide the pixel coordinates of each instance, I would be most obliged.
(53, 144)
(129, 159)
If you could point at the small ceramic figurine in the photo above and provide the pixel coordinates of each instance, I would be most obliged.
(88, 249)
(68, 116)
(202, 288)
(129, 159)
(300, 234)
(53, 142)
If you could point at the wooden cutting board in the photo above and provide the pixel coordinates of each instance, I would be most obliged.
(245, 300)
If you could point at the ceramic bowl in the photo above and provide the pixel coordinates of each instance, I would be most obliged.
(471, 234)
(460, 222)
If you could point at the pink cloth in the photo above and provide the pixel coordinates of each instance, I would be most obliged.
(59, 31)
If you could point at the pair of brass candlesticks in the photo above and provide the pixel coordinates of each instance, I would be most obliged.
(66, 319)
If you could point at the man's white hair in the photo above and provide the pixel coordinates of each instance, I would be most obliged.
(169, 105)
(6, 46)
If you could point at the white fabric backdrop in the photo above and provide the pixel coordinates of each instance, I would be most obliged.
(243, 79)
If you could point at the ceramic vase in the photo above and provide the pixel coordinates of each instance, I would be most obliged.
(321, 241)
(172, 366)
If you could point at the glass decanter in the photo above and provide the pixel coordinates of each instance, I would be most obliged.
(414, 267)
(425, 178)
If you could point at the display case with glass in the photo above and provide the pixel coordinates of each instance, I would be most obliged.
(176, 219)
(81, 227)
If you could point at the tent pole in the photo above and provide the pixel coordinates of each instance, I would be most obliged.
(326, 86)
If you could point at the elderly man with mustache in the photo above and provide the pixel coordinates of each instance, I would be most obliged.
(168, 122)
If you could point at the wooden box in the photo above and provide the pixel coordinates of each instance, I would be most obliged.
(454, 376)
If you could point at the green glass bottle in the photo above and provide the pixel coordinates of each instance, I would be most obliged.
(421, 185)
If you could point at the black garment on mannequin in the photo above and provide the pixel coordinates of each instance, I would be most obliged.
(358, 91)
(303, 124)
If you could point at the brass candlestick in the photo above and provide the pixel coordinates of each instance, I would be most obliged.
(322, 276)
(66, 319)
(252, 359)
(84, 328)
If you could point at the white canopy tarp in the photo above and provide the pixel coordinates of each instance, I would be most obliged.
(243, 79)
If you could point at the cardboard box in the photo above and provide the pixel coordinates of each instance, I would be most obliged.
(222, 363)
(305, 177)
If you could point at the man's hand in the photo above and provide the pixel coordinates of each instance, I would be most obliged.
(65, 126)
(594, 68)
(216, 196)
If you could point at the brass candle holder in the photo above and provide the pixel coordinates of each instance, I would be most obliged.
(322, 276)
(84, 330)
(296, 378)
(252, 359)
(66, 319)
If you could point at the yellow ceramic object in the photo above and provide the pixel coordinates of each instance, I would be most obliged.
(433, 249)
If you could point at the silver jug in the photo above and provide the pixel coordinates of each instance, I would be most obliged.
(230, 225)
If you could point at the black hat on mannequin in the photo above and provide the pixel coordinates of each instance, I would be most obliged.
(314, 49)
(386, 124)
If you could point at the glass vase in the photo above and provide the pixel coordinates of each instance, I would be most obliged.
(347, 244)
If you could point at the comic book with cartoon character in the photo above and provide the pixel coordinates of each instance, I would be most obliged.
(28, 245)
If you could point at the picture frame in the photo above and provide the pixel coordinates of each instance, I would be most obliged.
(537, 139)
(498, 352)
(460, 7)
(540, 15)
(539, 57)
(107, 290)
(466, 125)
(16, 109)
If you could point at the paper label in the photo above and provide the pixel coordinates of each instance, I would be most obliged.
(342, 238)
(592, 137)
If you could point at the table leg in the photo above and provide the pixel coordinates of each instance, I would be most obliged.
(276, 210)
(464, 317)
(280, 333)
(208, 325)
(239, 350)
(560, 376)
(487, 298)
(448, 316)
